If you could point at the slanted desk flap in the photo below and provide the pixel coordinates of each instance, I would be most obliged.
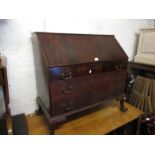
(67, 49)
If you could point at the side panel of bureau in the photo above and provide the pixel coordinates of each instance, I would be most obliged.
(41, 72)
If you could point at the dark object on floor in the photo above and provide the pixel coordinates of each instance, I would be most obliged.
(127, 129)
(19, 125)
(3, 127)
(148, 126)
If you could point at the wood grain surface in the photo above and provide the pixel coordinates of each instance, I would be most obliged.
(99, 122)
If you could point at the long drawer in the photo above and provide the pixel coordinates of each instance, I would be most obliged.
(85, 83)
(81, 100)
(68, 72)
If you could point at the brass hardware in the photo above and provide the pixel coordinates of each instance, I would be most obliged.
(117, 78)
(67, 76)
(118, 67)
(116, 91)
(67, 107)
(68, 90)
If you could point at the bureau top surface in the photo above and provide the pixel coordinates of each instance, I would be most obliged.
(68, 49)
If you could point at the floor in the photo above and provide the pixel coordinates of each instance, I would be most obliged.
(98, 122)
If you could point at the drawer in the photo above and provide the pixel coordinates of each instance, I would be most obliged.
(68, 72)
(65, 88)
(86, 83)
(62, 106)
(83, 91)
(78, 100)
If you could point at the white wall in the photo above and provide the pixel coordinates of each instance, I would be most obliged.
(15, 43)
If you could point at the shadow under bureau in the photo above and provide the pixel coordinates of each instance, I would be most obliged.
(76, 72)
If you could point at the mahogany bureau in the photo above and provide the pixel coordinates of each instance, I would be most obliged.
(76, 72)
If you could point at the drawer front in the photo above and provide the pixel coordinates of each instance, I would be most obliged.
(68, 72)
(83, 99)
(86, 90)
(86, 83)
(63, 106)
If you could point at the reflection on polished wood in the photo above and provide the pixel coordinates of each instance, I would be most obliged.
(99, 122)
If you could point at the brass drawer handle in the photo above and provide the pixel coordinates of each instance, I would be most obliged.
(67, 76)
(117, 78)
(68, 90)
(118, 67)
(116, 91)
(67, 107)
